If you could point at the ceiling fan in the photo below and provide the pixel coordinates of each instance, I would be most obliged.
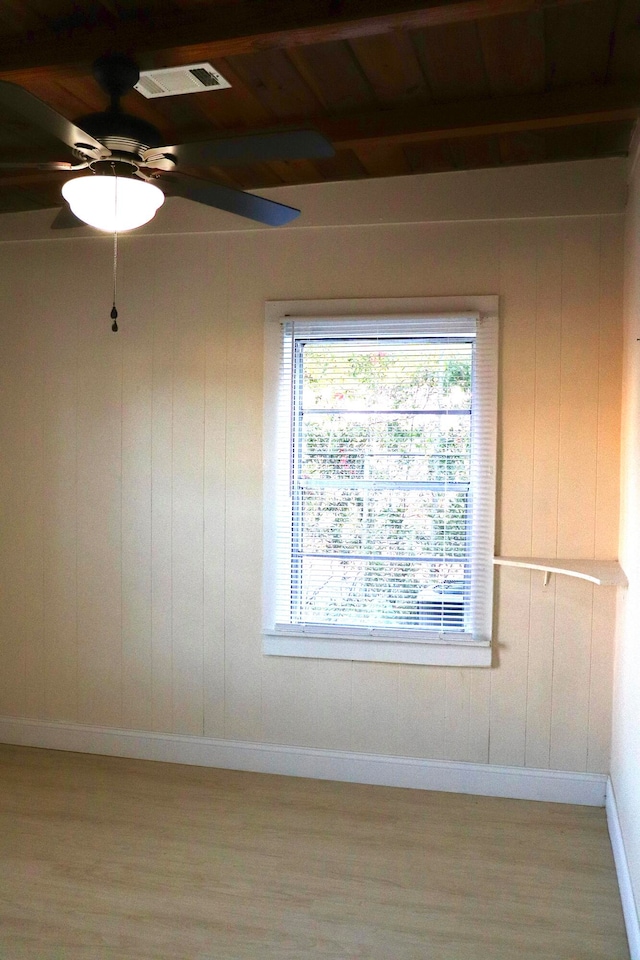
(127, 155)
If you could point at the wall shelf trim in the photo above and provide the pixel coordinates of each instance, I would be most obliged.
(604, 573)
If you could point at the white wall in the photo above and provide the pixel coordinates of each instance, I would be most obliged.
(130, 478)
(625, 767)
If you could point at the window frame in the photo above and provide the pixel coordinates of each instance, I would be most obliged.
(382, 645)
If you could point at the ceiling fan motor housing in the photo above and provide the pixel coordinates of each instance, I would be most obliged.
(121, 132)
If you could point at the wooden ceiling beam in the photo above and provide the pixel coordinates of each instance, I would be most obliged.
(230, 29)
(446, 121)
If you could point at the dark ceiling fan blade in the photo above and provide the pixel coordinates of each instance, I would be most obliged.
(233, 201)
(66, 220)
(29, 165)
(252, 148)
(43, 116)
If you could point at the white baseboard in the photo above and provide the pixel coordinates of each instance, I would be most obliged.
(452, 777)
(629, 906)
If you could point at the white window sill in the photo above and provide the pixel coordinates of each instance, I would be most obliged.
(435, 653)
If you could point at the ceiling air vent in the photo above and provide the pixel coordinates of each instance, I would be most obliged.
(194, 78)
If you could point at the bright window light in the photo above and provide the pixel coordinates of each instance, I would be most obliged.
(113, 203)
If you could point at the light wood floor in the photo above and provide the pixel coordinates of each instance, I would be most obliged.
(110, 859)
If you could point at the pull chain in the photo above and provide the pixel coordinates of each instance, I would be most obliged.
(114, 311)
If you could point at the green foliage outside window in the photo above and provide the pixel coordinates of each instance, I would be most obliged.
(383, 466)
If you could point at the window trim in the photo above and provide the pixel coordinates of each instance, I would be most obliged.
(336, 643)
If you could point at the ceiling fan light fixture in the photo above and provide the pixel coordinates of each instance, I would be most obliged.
(113, 203)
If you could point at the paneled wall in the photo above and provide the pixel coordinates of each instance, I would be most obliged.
(625, 766)
(130, 479)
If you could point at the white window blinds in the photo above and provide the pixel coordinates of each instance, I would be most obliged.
(385, 478)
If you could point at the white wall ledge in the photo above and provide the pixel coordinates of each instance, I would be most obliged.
(604, 573)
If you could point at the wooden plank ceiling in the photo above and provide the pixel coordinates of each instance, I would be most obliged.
(398, 86)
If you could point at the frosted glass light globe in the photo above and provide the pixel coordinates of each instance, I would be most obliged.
(113, 203)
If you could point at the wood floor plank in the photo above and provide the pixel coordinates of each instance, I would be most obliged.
(109, 858)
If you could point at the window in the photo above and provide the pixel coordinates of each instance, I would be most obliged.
(380, 498)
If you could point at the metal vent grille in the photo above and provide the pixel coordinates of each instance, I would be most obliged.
(173, 81)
